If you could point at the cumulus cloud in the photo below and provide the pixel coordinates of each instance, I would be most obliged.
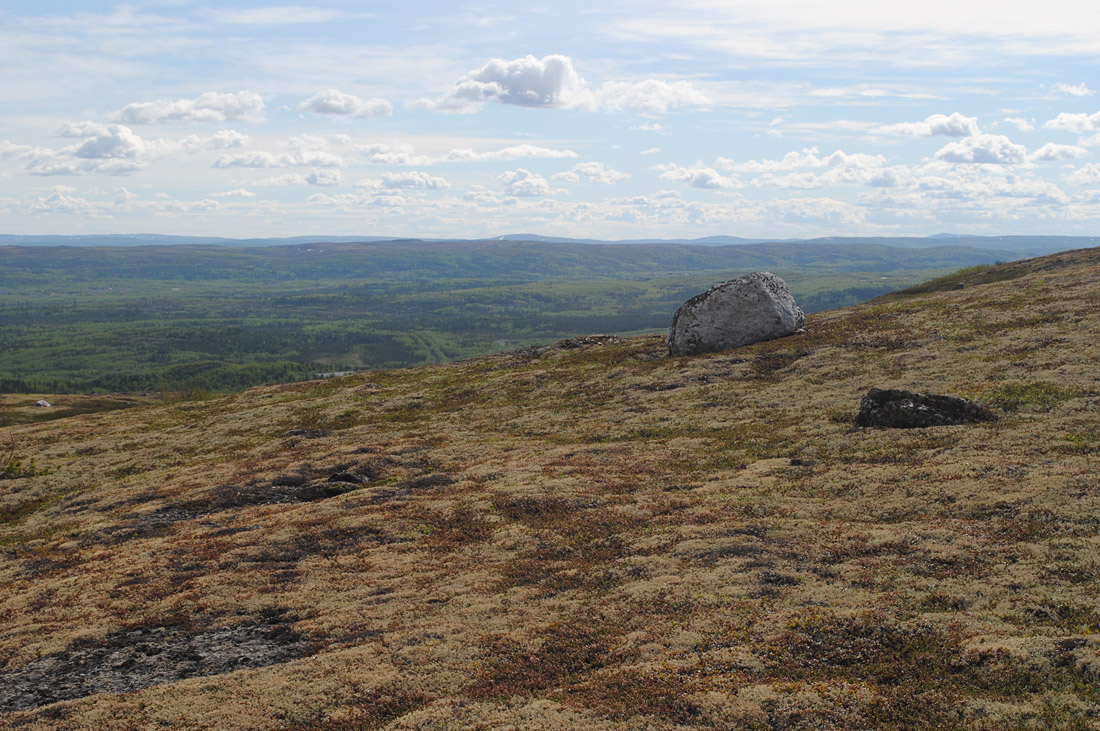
(552, 82)
(61, 203)
(385, 154)
(1051, 151)
(527, 82)
(209, 107)
(651, 95)
(1073, 89)
(699, 177)
(238, 193)
(10, 149)
(596, 172)
(110, 150)
(514, 152)
(411, 179)
(225, 139)
(275, 15)
(955, 125)
(650, 151)
(281, 180)
(1020, 123)
(324, 177)
(333, 102)
(1075, 122)
(994, 149)
(524, 183)
(82, 129)
(263, 159)
(115, 140)
(1085, 175)
(807, 158)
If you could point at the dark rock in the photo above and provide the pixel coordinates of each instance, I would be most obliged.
(351, 477)
(307, 433)
(139, 658)
(290, 480)
(895, 409)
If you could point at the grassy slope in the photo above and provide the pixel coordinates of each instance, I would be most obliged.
(601, 536)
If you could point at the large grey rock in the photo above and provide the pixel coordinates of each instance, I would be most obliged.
(756, 307)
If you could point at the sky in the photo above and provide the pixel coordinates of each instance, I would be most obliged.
(610, 120)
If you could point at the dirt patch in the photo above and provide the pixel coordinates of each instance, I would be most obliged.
(140, 658)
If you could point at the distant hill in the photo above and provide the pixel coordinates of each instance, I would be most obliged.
(1015, 245)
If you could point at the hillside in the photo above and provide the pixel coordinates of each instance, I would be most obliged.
(178, 318)
(586, 535)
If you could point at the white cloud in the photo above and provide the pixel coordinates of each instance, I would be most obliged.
(114, 141)
(333, 102)
(807, 158)
(82, 129)
(405, 155)
(527, 82)
(324, 177)
(552, 82)
(10, 149)
(274, 15)
(994, 149)
(263, 159)
(410, 179)
(238, 193)
(1052, 151)
(225, 139)
(1074, 89)
(1085, 175)
(956, 125)
(514, 152)
(523, 183)
(208, 107)
(651, 95)
(699, 177)
(650, 151)
(1020, 123)
(1075, 122)
(596, 172)
(61, 203)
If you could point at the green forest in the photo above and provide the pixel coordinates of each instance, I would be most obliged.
(175, 318)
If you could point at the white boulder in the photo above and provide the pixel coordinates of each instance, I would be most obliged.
(756, 307)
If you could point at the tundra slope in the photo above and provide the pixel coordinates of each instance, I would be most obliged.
(593, 534)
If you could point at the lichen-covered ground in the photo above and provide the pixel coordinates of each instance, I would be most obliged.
(589, 535)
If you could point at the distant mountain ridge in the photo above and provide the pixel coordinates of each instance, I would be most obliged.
(1019, 245)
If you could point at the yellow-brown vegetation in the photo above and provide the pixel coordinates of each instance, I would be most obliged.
(596, 535)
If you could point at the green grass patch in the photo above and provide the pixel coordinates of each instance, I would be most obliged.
(1027, 396)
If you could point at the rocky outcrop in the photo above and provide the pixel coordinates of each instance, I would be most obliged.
(739, 312)
(895, 409)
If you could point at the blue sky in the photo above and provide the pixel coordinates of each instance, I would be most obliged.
(786, 118)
